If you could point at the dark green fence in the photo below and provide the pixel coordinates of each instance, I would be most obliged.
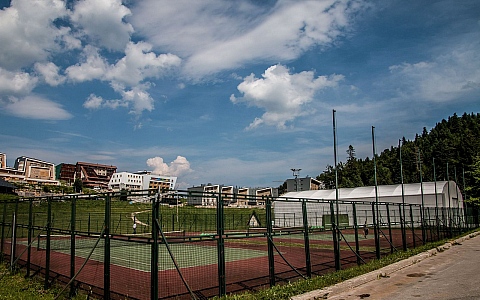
(176, 250)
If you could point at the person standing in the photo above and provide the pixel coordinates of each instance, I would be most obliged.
(134, 228)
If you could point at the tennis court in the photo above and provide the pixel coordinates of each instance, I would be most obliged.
(136, 255)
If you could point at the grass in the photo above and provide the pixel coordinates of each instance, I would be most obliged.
(14, 286)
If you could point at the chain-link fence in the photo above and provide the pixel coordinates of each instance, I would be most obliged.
(150, 245)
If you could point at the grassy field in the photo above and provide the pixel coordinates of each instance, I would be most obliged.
(90, 216)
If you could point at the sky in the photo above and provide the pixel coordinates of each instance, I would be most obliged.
(230, 92)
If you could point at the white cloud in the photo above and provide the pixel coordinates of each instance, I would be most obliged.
(180, 166)
(50, 73)
(218, 35)
(446, 77)
(16, 83)
(103, 22)
(93, 102)
(35, 107)
(27, 32)
(283, 95)
(92, 66)
(140, 63)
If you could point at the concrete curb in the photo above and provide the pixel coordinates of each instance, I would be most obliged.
(377, 274)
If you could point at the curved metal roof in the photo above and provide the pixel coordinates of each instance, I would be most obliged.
(358, 193)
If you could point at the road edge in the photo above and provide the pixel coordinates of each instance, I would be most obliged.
(350, 284)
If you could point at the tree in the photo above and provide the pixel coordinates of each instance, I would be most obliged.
(473, 191)
(78, 185)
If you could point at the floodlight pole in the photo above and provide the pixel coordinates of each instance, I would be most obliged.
(422, 211)
(376, 227)
(437, 223)
(404, 221)
(337, 229)
(295, 174)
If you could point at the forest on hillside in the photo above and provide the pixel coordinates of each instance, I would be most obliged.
(449, 151)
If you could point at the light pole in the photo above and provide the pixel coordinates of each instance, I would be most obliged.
(295, 174)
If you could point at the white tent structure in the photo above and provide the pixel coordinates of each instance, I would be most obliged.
(442, 194)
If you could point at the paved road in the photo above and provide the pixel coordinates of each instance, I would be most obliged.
(451, 274)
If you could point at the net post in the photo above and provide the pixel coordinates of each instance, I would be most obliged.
(73, 206)
(106, 261)
(306, 238)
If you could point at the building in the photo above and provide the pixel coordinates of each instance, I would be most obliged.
(143, 180)
(94, 175)
(28, 170)
(206, 195)
(303, 184)
(442, 194)
(66, 173)
(247, 197)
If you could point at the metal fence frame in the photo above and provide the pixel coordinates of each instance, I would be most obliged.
(395, 227)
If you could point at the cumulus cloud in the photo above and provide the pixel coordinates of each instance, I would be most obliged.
(16, 83)
(50, 73)
(28, 33)
(180, 166)
(103, 22)
(35, 107)
(217, 35)
(282, 94)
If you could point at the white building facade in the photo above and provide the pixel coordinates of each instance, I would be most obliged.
(141, 181)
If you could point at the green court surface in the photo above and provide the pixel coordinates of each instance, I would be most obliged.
(138, 256)
(327, 236)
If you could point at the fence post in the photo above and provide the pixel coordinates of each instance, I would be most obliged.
(306, 238)
(401, 209)
(106, 261)
(221, 246)
(4, 218)
(73, 228)
(413, 226)
(14, 236)
(29, 238)
(375, 232)
(389, 227)
(355, 225)
(336, 244)
(47, 246)
(271, 259)
(154, 251)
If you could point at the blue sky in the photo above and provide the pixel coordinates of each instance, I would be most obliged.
(229, 92)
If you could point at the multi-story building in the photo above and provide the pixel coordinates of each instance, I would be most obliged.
(254, 196)
(28, 170)
(94, 175)
(206, 195)
(303, 184)
(66, 173)
(141, 181)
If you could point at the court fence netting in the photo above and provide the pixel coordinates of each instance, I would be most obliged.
(152, 245)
